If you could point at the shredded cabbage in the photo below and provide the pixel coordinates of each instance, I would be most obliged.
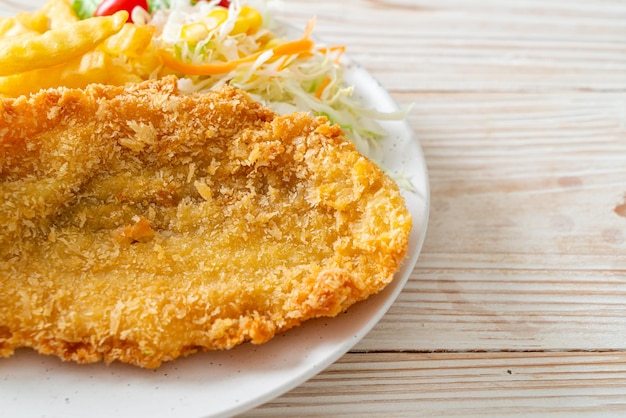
(299, 82)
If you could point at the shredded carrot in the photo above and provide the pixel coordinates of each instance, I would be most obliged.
(308, 29)
(340, 49)
(213, 68)
(320, 89)
(300, 46)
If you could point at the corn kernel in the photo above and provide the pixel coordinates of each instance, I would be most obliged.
(194, 32)
(248, 21)
(215, 18)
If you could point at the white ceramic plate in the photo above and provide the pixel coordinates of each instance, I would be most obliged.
(219, 384)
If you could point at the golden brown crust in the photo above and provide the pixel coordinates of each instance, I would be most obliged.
(142, 224)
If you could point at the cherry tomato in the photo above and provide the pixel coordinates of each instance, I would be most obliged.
(108, 7)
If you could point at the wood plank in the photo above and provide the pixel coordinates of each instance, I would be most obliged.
(495, 309)
(520, 108)
(525, 243)
(461, 384)
(539, 176)
(477, 46)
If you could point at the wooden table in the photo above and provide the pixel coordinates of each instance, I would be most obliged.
(517, 305)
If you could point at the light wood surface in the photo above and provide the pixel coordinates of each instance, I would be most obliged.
(517, 305)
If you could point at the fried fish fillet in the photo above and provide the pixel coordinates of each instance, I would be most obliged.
(141, 224)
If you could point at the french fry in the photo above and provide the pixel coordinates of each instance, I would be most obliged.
(27, 82)
(36, 21)
(51, 47)
(92, 67)
(148, 65)
(10, 26)
(122, 75)
(60, 13)
(57, 46)
(131, 41)
(6, 25)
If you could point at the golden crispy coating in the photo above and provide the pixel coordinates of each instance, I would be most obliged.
(141, 224)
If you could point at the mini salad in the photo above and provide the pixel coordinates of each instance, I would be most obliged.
(208, 43)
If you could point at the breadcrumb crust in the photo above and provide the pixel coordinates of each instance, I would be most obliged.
(142, 224)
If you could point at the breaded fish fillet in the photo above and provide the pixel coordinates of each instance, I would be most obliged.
(140, 224)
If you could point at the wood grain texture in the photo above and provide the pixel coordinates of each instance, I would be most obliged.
(517, 305)
(461, 385)
(478, 45)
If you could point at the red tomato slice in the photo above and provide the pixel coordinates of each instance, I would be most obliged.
(108, 7)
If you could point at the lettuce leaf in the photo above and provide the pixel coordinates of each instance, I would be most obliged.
(85, 8)
(155, 5)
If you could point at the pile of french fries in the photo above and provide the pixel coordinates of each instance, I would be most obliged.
(51, 47)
